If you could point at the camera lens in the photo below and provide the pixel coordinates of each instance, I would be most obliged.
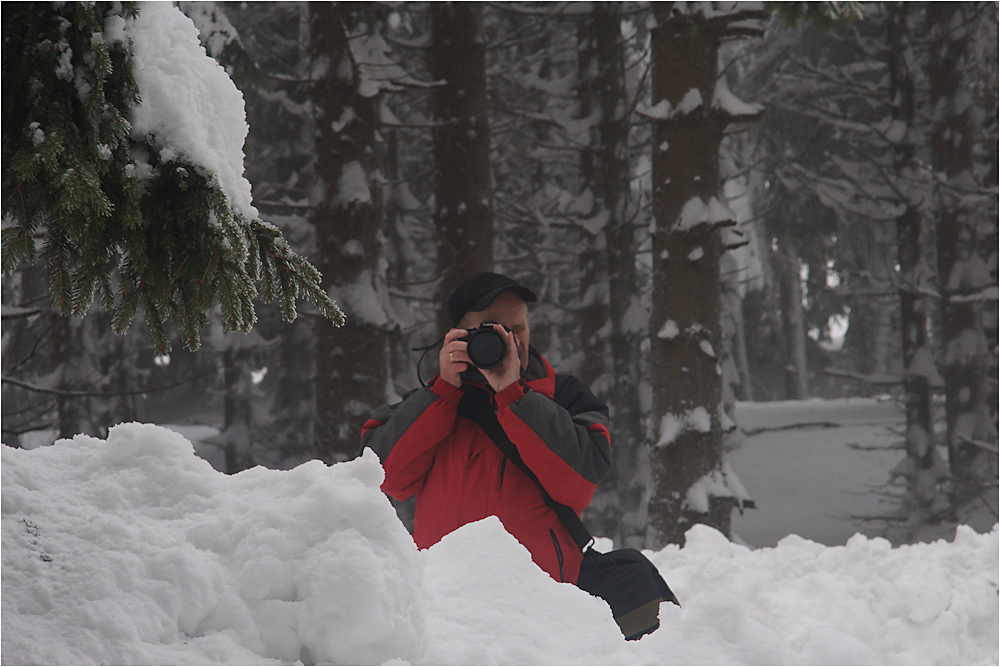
(486, 348)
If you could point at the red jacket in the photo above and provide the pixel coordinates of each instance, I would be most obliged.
(459, 475)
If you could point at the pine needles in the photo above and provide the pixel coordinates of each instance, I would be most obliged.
(109, 216)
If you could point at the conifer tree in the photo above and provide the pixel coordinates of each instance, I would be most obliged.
(692, 109)
(118, 216)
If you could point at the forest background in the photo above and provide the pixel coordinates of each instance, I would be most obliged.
(714, 202)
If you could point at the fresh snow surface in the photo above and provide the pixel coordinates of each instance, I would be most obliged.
(823, 469)
(134, 550)
(189, 104)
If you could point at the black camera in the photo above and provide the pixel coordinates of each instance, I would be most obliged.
(486, 348)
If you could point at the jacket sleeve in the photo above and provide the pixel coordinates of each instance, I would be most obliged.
(406, 435)
(564, 441)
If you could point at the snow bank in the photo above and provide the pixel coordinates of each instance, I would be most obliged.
(133, 550)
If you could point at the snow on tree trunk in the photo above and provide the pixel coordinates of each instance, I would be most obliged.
(464, 195)
(689, 113)
(960, 269)
(351, 362)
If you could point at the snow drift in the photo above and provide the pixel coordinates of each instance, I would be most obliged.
(134, 550)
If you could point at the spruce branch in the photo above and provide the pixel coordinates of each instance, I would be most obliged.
(116, 218)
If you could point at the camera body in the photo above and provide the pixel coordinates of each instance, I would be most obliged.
(486, 348)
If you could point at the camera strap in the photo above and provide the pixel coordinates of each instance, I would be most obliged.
(425, 349)
(475, 406)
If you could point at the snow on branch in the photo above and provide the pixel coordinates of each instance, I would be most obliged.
(736, 109)
(150, 209)
(190, 106)
(673, 425)
(697, 212)
(722, 483)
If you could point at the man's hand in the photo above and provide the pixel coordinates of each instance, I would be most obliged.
(508, 371)
(454, 357)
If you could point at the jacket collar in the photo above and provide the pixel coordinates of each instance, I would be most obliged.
(539, 375)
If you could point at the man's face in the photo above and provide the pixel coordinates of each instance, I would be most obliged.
(509, 310)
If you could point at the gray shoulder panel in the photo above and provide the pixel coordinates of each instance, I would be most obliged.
(396, 420)
(586, 451)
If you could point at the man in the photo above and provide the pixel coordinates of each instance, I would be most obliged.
(430, 448)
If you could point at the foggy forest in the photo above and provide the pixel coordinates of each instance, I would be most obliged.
(718, 205)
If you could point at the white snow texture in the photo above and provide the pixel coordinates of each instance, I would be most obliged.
(133, 550)
(190, 106)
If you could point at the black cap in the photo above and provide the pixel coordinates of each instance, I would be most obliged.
(479, 291)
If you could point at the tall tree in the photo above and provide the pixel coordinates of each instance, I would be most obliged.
(593, 260)
(917, 358)
(625, 310)
(690, 110)
(281, 164)
(464, 193)
(351, 362)
(962, 272)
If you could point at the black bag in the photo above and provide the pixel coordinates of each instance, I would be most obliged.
(630, 584)
(624, 578)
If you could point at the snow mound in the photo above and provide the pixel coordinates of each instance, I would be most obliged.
(482, 587)
(134, 550)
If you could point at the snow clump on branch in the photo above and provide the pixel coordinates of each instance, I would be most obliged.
(190, 107)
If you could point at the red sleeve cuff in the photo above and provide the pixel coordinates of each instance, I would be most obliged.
(446, 391)
(512, 394)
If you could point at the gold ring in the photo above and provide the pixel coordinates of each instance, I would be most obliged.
(451, 355)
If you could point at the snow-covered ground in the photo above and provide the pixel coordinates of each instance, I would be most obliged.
(798, 466)
(134, 550)
(821, 469)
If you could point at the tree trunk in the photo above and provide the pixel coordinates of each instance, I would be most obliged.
(351, 361)
(966, 354)
(66, 359)
(464, 195)
(742, 360)
(624, 293)
(612, 299)
(684, 324)
(797, 322)
(593, 282)
(913, 319)
(236, 412)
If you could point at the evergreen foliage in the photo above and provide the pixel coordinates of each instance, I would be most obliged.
(827, 16)
(106, 207)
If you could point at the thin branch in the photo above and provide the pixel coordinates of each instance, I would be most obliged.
(888, 380)
(80, 394)
(34, 348)
(525, 9)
